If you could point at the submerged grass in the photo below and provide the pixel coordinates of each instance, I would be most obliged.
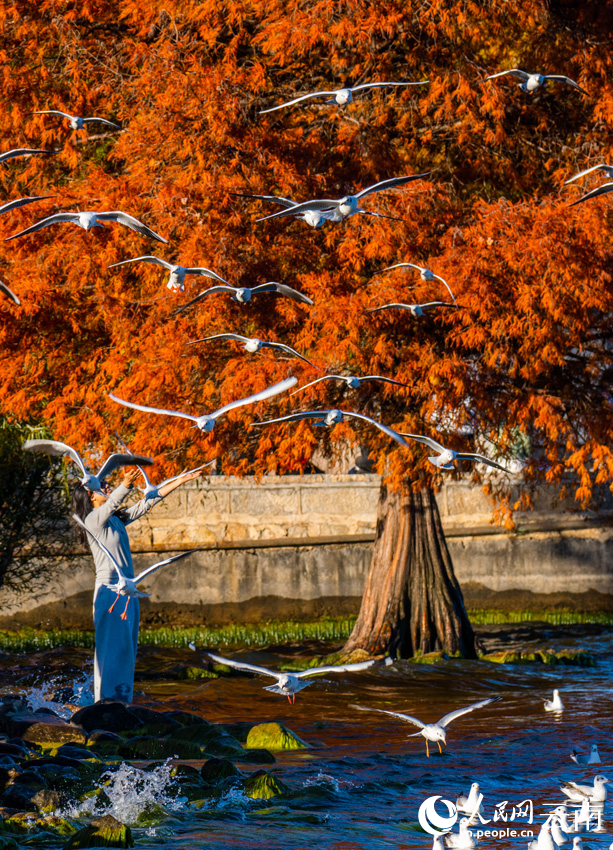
(271, 633)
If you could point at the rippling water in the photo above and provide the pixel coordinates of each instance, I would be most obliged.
(363, 781)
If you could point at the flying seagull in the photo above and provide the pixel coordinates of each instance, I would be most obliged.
(578, 793)
(176, 281)
(21, 202)
(608, 170)
(206, 422)
(424, 273)
(89, 481)
(447, 457)
(76, 122)
(243, 294)
(532, 82)
(432, 731)
(354, 382)
(253, 344)
(340, 96)
(125, 585)
(347, 205)
(315, 218)
(9, 292)
(289, 684)
(604, 189)
(416, 310)
(23, 152)
(87, 220)
(333, 417)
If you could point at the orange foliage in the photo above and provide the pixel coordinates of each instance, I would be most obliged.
(527, 354)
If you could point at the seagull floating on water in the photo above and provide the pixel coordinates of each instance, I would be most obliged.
(176, 280)
(253, 345)
(354, 382)
(347, 205)
(206, 422)
(243, 294)
(9, 292)
(126, 586)
(424, 273)
(89, 219)
(416, 310)
(461, 840)
(21, 202)
(592, 758)
(561, 812)
(447, 457)
(288, 684)
(24, 152)
(470, 804)
(595, 793)
(532, 82)
(340, 96)
(333, 417)
(76, 122)
(543, 841)
(89, 481)
(432, 731)
(557, 833)
(555, 703)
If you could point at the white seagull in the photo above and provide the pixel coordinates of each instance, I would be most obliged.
(176, 280)
(21, 202)
(543, 841)
(340, 96)
(76, 122)
(23, 152)
(461, 840)
(206, 422)
(315, 218)
(608, 170)
(592, 758)
(532, 82)
(254, 344)
(9, 292)
(288, 684)
(447, 457)
(341, 208)
(244, 294)
(432, 731)
(126, 586)
(333, 417)
(555, 703)
(561, 812)
(596, 793)
(354, 382)
(424, 273)
(559, 836)
(471, 804)
(416, 310)
(89, 481)
(89, 219)
(604, 189)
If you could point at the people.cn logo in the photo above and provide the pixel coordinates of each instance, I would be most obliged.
(431, 821)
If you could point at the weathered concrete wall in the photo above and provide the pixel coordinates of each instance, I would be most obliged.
(301, 546)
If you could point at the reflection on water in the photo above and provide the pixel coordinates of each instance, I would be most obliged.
(363, 781)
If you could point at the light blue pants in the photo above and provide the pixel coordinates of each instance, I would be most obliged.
(116, 642)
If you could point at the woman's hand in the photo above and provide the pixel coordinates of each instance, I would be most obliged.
(130, 477)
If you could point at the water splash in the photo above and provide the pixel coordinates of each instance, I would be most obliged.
(42, 697)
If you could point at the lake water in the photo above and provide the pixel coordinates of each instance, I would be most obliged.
(363, 781)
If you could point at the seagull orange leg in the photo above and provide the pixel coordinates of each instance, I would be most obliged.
(124, 616)
(114, 603)
(289, 698)
(427, 749)
(439, 747)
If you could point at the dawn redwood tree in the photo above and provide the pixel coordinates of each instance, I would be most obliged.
(524, 360)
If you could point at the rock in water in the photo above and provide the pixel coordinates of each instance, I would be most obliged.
(262, 786)
(103, 832)
(273, 736)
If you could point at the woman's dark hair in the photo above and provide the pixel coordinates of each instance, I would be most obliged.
(81, 506)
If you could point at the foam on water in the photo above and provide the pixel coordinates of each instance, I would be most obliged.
(42, 697)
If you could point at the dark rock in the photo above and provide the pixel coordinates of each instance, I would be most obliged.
(148, 747)
(212, 738)
(107, 715)
(185, 718)
(28, 776)
(43, 728)
(215, 771)
(75, 752)
(102, 832)
(103, 737)
(258, 757)
(20, 797)
(46, 711)
(58, 761)
(12, 750)
(238, 730)
(155, 722)
(7, 843)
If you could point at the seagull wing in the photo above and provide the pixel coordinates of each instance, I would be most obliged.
(157, 410)
(516, 72)
(117, 459)
(430, 304)
(206, 273)
(102, 121)
(298, 100)
(155, 567)
(143, 473)
(392, 183)
(181, 474)
(148, 259)
(285, 202)
(427, 441)
(273, 390)
(384, 380)
(406, 717)
(390, 307)
(53, 112)
(317, 380)
(236, 337)
(382, 85)
(289, 350)
(601, 167)
(9, 292)
(242, 665)
(45, 222)
(106, 551)
(564, 79)
(446, 720)
(55, 448)
(600, 190)
(283, 290)
(305, 206)
(295, 417)
(203, 294)
(23, 152)
(402, 266)
(480, 459)
(21, 202)
(131, 222)
(389, 431)
(336, 668)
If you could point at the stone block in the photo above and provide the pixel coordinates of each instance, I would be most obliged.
(262, 501)
(347, 501)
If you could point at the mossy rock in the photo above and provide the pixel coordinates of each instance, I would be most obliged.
(273, 736)
(20, 823)
(102, 832)
(184, 673)
(56, 825)
(257, 756)
(429, 658)
(153, 815)
(579, 657)
(263, 786)
(212, 739)
(147, 747)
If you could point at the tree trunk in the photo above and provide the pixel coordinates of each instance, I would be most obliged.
(412, 601)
